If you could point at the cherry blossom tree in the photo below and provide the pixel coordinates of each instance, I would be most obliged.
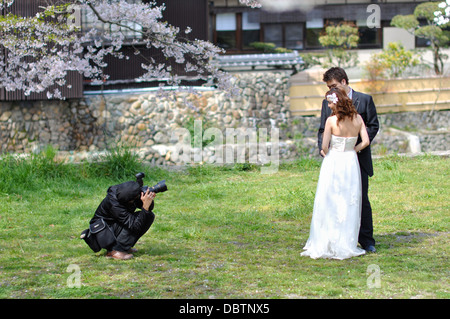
(251, 3)
(38, 52)
(442, 16)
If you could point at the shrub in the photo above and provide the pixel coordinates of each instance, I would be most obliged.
(390, 63)
(268, 47)
(118, 164)
(340, 39)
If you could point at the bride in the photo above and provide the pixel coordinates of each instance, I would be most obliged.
(337, 206)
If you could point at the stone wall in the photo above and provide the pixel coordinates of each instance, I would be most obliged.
(28, 126)
(146, 121)
(412, 132)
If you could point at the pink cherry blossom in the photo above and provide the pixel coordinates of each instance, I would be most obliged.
(39, 51)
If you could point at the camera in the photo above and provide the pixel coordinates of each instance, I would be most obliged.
(160, 187)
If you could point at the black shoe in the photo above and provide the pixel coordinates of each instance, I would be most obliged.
(370, 249)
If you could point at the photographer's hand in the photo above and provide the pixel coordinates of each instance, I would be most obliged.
(147, 199)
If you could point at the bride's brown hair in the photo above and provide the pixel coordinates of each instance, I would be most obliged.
(344, 106)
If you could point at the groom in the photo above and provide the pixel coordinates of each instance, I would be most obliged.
(336, 77)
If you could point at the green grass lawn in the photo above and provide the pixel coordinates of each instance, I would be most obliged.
(221, 233)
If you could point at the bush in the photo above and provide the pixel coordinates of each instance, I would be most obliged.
(19, 174)
(118, 164)
(22, 173)
(268, 47)
(390, 63)
(340, 39)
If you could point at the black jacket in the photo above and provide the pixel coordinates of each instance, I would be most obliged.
(119, 207)
(366, 108)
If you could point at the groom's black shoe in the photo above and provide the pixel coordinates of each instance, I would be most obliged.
(370, 249)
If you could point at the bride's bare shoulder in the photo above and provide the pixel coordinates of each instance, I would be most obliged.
(332, 118)
(358, 119)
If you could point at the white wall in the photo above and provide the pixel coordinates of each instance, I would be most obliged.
(392, 34)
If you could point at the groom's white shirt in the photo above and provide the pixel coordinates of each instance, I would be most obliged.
(350, 93)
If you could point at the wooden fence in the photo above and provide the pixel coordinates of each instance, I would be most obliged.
(398, 95)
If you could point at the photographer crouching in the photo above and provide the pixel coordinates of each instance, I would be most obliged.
(116, 225)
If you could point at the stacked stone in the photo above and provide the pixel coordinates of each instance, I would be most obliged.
(146, 122)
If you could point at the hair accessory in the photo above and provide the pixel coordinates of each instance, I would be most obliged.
(332, 98)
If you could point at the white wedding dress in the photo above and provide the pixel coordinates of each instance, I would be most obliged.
(337, 206)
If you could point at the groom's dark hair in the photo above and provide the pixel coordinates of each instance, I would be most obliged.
(335, 73)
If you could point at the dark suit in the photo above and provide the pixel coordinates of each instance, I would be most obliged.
(366, 108)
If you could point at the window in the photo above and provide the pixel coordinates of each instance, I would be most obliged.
(286, 35)
(226, 30)
(314, 28)
(236, 31)
(294, 36)
(368, 37)
(250, 31)
(273, 33)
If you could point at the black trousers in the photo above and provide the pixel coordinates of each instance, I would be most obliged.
(366, 230)
(125, 239)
